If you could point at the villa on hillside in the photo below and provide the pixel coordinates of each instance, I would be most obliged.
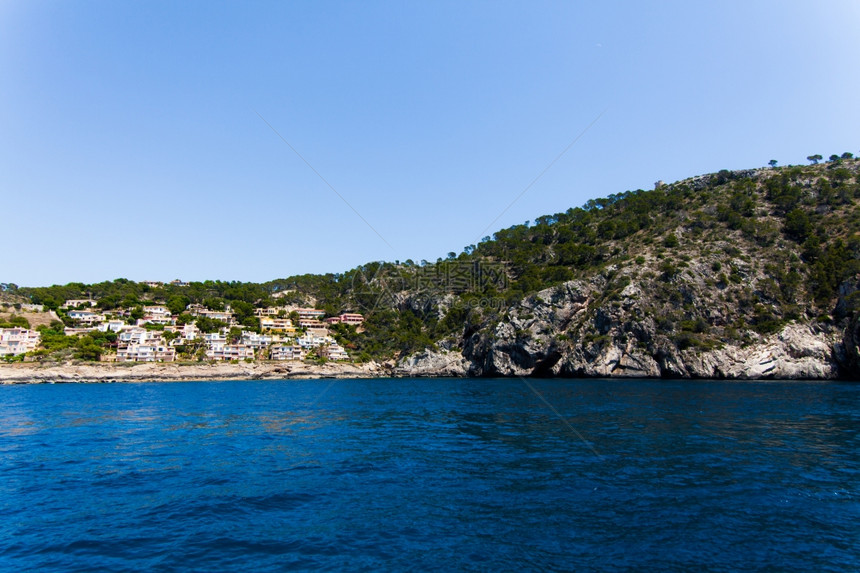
(185, 331)
(86, 316)
(160, 311)
(310, 313)
(258, 341)
(76, 302)
(334, 351)
(286, 352)
(229, 352)
(281, 324)
(346, 318)
(112, 326)
(14, 341)
(199, 310)
(215, 338)
(271, 311)
(145, 353)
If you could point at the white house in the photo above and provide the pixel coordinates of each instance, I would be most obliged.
(145, 353)
(14, 341)
(310, 341)
(112, 325)
(270, 311)
(222, 315)
(334, 351)
(229, 352)
(156, 319)
(76, 302)
(156, 310)
(139, 336)
(321, 332)
(281, 324)
(86, 316)
(286, 352)
(185, 331)
(213, 338)
(310, 313)
(256, 341)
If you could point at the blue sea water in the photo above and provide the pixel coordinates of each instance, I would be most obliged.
(472, 475)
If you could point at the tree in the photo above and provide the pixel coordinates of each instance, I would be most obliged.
(847, 155)
(671, 241)
(797, 225)
(814, 158)
(235, 335)
(136, 313)
(242, 309)
(834, 157)
(15, 321)
(88, 349)
(772, 162)
(251, 322)
(206, 324)
(177, 304)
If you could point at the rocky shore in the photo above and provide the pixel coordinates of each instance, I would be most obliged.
(797, 353)
(32, 373)
(571, 332)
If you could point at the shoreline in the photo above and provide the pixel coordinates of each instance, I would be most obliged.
(99, 372)
(21, 373)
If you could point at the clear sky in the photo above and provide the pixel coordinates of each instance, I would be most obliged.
(132, 144)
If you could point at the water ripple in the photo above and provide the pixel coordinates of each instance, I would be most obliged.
(416, 475)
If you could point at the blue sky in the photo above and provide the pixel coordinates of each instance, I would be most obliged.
(131, 145)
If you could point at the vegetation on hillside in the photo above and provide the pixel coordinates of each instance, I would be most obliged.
(774, 244)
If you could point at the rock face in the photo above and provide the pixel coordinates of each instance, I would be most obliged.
(562, 332)
(850, 355)
(431, 363)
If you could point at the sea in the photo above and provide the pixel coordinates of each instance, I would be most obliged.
(431, 475)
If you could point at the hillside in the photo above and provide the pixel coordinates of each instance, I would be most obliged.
(734, 274)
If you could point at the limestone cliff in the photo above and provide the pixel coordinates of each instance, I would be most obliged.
(622, 341)
(746, 274)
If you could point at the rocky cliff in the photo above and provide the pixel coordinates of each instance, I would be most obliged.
(628, 322)
(746, 274)
(622, 341)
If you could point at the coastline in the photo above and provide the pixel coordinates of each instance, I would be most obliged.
(75, 372)
(100, 372)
